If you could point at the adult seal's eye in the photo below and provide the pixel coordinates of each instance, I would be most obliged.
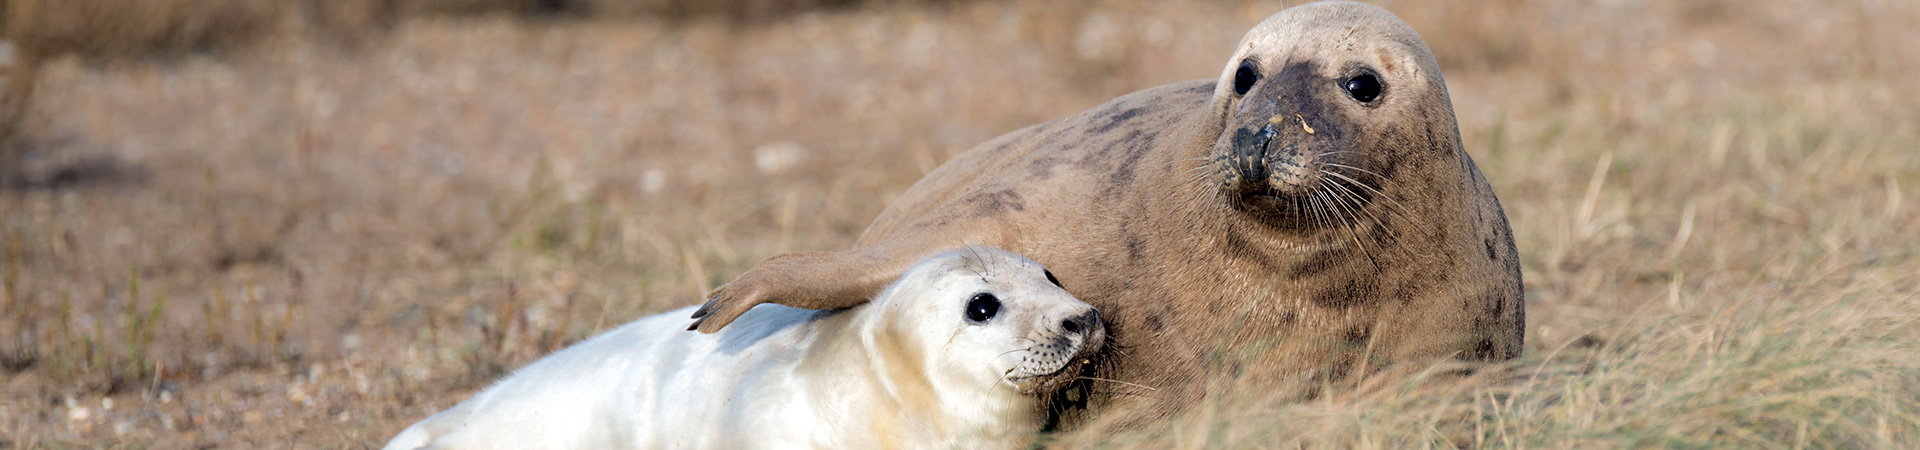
(1244, 78)
(982, 308)
(1363, 87)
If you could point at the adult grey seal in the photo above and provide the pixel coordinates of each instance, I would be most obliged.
(1309, 214)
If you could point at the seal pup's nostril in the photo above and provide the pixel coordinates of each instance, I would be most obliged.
(1081, 323)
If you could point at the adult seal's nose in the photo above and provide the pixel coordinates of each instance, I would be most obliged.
(1250, 150)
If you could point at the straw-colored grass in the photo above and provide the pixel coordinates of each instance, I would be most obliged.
(1801, 366)
(303, 240)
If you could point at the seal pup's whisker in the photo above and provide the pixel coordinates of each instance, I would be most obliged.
(1022, 349)
(1109, 380)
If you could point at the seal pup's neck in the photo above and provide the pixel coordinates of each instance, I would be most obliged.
(910, 398)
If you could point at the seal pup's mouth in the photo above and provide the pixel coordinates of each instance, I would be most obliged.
(1056, 360)
(1047, 383)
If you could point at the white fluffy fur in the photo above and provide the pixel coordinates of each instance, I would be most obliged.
(907, 370)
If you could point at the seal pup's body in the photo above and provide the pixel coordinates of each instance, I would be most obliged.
(912, 369)
(1308, 215)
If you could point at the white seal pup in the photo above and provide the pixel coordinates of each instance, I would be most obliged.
(958, 352)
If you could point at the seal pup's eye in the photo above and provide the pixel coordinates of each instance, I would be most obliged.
(1244, 78)
(983, 307)
(1051, 279)
(1363, 87)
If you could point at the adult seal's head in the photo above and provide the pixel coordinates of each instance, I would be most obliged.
(1337, 167)
(1319, 108)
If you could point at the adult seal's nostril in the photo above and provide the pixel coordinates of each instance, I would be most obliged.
(1250, 151)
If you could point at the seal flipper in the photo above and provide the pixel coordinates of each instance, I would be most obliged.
(810, 280)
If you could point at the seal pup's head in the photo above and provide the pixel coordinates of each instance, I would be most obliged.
(992, 319)
(1315, 107)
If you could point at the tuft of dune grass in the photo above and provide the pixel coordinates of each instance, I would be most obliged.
(1782, 367)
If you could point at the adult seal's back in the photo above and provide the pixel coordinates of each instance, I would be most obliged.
(1309, 214)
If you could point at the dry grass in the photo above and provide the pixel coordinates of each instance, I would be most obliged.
(106, 30)
(1772, 370)
(299, 243)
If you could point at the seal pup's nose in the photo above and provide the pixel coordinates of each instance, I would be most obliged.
(1082, 323)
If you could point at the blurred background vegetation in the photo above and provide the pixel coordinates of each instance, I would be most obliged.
(106, 30)
(122, 28)
(111, 29)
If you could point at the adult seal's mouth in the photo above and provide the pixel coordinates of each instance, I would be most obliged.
(1265, 173)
